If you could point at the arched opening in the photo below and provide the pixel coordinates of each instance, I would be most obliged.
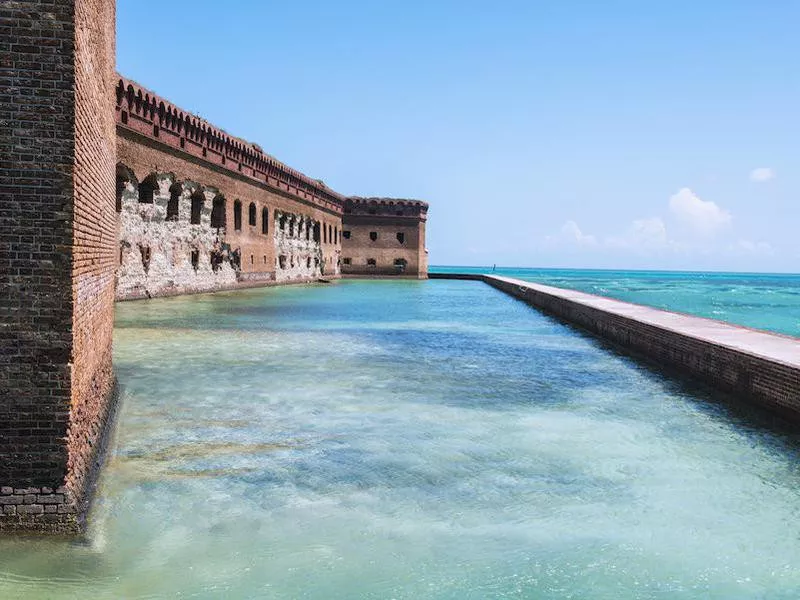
(197, 207)
(401, 237)
(291, 227)
(283, 222)
(218, 212)
(316, 232)
(346, 235)
(251, 214)
(324, 234)
(330, 234)
(308, 262)
(400, 264)
(175, 191)
(264, 221)
(147, 189)
(373, 235)
(237, 215)
(308, 230)
(370, 262)
(335, 235)
(124, 176)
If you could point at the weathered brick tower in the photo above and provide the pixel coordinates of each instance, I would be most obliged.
(58, 240)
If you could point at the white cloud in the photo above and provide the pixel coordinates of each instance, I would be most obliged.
(570, 232)
(762, 174)
(703, 216)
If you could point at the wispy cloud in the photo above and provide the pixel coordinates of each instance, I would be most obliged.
(762, 174)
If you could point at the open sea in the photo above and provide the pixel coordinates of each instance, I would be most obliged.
(428, 439)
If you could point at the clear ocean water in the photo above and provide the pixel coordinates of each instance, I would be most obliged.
(406, 439)
(759, 300)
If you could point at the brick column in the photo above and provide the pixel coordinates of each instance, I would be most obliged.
(57, 255)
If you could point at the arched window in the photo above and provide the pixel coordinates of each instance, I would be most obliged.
(251, 214)
(291, 227)
(283, 222)
(316, 232)
(330, 234)
(124, 177)
(197, 207)
(237, 215)
(324, 234)
(147, 189)
(335, 235)
(175, 191)
(308, 230)
(373, 235)
(264, 221)
(218, 213)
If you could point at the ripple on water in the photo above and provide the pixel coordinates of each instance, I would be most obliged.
(313, 442)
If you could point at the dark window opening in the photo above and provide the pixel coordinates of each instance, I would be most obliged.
(308, 231)
(282, 261)
(264, 223)
(147, 190)
(218, 213)
(346, 261)
(195, 259)
(401, 237)
(265, 259)
(237, 216)
(308, 262)
(174, 199)
(335, 235)
(197, 207)
(346, 235)
(252, 260)
(324, 234)
(283, 222)
(330, 234)
(400, 262)
(316, 232)
(251, 214)
(291, 227)
(145, 252)
(373, 235)
(370, 262)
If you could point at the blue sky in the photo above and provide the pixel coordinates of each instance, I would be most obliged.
(562, 133)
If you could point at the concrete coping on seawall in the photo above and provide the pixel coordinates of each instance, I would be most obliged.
(760, 366)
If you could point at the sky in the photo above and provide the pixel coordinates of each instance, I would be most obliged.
(563, 133)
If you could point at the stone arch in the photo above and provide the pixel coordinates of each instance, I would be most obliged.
(125, 175)
(218, 212)
(198, 200)
(175, 192)
(147, 189)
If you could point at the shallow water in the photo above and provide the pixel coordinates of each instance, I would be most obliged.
(768, 301)
(402, 439)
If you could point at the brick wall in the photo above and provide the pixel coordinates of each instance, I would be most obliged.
(171, 243)
(384, 237)
(57, 235)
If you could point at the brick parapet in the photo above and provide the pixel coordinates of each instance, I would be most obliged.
(140, 110)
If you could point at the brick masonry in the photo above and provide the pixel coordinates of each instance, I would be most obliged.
(384, 237)
(58, 236)
(761, 368)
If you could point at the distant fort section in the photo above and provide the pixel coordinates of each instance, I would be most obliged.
(384, 237)
(201, 211)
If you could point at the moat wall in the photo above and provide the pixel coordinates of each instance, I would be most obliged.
(58, 234)
(759, 367)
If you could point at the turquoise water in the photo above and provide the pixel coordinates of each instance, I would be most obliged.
(760, 300)
(405, 439)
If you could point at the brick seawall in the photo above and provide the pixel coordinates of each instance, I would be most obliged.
(760, 367)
